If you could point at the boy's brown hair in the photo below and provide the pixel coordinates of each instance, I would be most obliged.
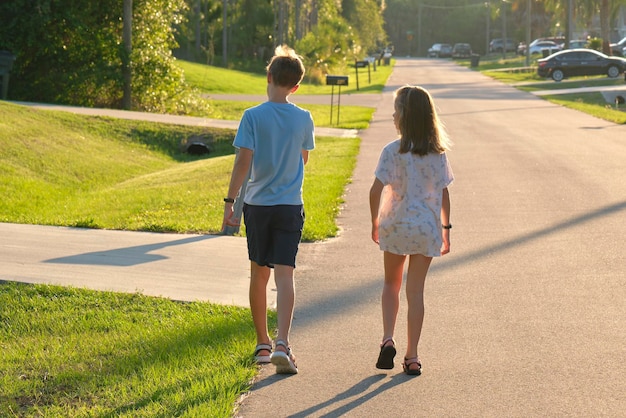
(286, 67)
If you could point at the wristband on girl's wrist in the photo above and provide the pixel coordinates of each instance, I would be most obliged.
(447, 226)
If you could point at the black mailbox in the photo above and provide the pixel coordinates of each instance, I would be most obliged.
(336, 80)
(361, 64)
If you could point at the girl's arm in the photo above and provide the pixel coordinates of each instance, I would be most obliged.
(445, 220)
(375, 193)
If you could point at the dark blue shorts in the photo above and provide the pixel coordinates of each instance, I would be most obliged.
(273, 233)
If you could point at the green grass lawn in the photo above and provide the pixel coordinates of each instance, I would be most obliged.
(215, 80)
(77, 353)
(72, 170)
(593, 104)
(352, 117)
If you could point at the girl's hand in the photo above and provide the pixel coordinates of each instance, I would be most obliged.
(375, 233)
(445, 247)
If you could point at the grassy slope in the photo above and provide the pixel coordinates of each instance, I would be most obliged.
(63, 169)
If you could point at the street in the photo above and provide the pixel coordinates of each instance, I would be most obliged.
(525, 317)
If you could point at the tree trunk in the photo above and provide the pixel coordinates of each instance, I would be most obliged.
(224, 33)
(128, 48)
(605, 27)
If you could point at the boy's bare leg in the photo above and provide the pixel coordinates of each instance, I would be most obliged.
(416, 277)
(285, 299)
(259, 277)
(394, 268)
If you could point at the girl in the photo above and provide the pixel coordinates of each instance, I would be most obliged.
(412, 217)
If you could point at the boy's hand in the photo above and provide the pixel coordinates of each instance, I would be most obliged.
(229, 219)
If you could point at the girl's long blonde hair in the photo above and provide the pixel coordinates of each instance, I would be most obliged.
(421, 131)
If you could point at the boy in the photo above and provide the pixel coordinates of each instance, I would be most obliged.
(274, 139)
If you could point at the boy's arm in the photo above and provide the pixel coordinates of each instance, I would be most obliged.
(238, 176)
(305, 156)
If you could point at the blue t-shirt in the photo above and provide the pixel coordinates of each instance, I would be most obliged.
(276, 133)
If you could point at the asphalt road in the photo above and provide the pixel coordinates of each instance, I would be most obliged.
(525, 317)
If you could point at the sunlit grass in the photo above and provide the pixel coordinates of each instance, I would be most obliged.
(351, 117)
(216, 80)
(593, 104)
(72, 353)
(71, 170)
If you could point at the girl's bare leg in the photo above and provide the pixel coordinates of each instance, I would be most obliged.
(259, 277)
(394, 269)
(416, 277)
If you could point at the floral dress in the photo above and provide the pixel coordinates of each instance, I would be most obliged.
(410, 209)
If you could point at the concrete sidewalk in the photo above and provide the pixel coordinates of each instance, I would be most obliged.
(181, 267)
(185, 120)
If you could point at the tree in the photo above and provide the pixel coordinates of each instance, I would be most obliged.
(73, 53)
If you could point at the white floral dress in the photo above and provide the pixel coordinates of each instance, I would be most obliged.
(410, 209)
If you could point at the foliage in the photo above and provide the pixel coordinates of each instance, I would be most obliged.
(72, 52)
(595, 43)
(366, 20)
(325, 32)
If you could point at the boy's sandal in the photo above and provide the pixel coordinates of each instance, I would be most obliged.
(284, 362)
(386, 355)
(408, 362)
(262, 359)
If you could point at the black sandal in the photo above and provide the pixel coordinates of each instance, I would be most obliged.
(408, 362)
(386, 355)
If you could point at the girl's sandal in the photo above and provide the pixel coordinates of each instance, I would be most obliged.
(408, 362)
(386, 355)
(259, 359)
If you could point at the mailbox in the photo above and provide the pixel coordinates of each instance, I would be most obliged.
(336, 80)
(361, 64)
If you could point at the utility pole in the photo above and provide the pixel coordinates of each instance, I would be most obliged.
(488, 24)
(570, 23)
(503, 11)
(528, 29)
(419, 30)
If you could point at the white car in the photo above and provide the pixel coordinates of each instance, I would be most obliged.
(538, 47)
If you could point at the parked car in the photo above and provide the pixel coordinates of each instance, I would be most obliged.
(619, 48)
(461, 51)
(575, 43)
(497, 44)
(541, 45)
(579, 62)
(440, 50)
(521, 48)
